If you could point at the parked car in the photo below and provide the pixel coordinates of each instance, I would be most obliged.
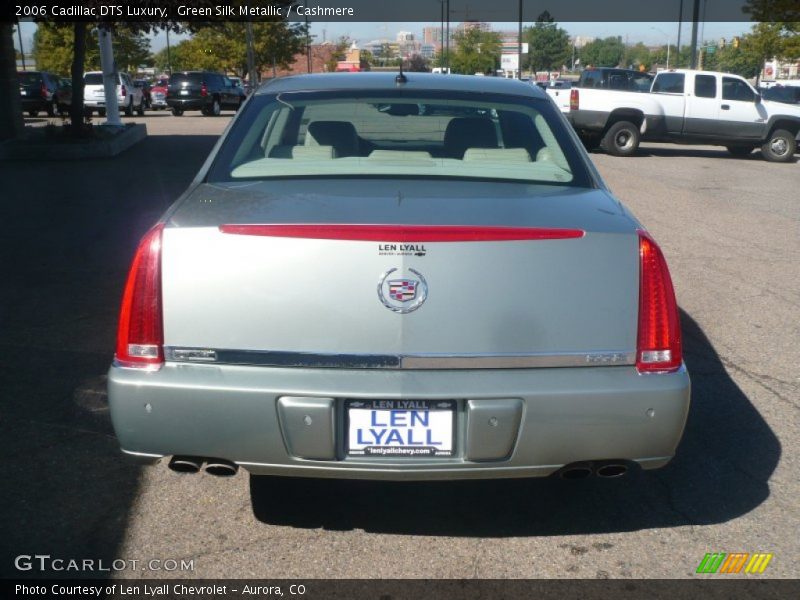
(205, 91)
(239, 87)
(158, 94)
(38, 91)
(357, 286)
(687, 107)
(559, 92)
(129, 97)
(780, 93)
(146, 88)
(64, 95)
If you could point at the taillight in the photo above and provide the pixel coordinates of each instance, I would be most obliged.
(43, 91)
(140, 336)
(124, 92)
(574, 99)
(204, 90)
(658, 348)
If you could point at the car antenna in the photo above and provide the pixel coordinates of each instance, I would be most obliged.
(400, 79)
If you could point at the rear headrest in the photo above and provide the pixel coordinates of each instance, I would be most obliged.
(339, 134)
(303, 152)
(505, 155)
(463, 133)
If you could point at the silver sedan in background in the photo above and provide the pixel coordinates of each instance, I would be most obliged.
(399, 277)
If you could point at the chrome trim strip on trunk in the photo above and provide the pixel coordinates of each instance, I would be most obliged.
(268, 358)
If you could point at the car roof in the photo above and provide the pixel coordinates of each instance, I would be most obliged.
(386, 81)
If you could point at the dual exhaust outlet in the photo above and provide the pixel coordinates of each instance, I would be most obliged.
(605, 469)
(218, 467)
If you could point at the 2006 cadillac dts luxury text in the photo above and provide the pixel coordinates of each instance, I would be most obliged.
(399, 277)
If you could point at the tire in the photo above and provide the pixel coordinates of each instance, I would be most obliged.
(101, 112)
(52, 109)
(140, 110)
(215, 108)
(177, 112)
(780, 146)
(740, 151)
(129, 108)
(621, 139)
(33, 113)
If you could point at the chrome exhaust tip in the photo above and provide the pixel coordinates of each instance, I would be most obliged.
(185, 464)
(221, 468)
(612, 470)
(576, 471)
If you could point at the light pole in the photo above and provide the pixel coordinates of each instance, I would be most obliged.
(666, 34)
(519, 43)
(169, 61)
(447, 39)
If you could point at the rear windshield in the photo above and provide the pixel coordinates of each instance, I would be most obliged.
(93, 79)
(394, 134)
(194, 78)
(29, 78)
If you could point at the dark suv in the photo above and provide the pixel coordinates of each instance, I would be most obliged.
(201, 90)
(608, 78)
(38, 90)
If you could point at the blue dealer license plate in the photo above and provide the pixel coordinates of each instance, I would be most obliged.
(393, 428)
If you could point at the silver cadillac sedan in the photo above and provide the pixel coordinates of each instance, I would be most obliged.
(399, 277)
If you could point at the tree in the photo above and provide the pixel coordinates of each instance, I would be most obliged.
(53, 48)
(607, 52)
(638, 55)
(339, 54)
(11, 122)
(766, 41)
(549, 46)
(367, 57)
(476, 51)
(418, 63)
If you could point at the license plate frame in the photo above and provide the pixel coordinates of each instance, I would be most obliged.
(431, 421)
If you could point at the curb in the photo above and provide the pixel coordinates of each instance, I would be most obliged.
(20, 150)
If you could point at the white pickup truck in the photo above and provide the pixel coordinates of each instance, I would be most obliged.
(686, 107)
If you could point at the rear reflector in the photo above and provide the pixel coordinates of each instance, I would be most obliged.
(404, 233)
(140, 335)
(659, 339)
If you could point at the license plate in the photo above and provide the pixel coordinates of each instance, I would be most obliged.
(397, 428)
(184, 92)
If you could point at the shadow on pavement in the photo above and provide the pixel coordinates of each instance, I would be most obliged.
(721, 471)
(70, 232)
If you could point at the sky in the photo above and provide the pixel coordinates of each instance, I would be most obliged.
(649, 33)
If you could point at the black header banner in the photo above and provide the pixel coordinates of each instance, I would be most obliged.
(708, 588)
(163, 12)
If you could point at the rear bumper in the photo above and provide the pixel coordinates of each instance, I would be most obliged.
(187, 103)
(34, 103)
(547, 418)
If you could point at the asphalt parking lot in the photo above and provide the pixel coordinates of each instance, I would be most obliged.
(730, 229)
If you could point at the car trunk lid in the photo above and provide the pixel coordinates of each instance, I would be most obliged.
(279, 272)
